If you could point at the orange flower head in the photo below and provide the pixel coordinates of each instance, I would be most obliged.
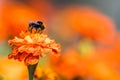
(90, 23)
(32, 45)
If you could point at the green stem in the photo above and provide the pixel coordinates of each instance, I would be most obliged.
(31, 69)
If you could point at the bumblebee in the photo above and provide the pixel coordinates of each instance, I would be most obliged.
(38, 26)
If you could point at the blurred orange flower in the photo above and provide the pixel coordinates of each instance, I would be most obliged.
(111, 54)
(32, 45)
(45, 73)
(69, 64)
(90, 23)
(18, 18)
(10, 68)
(101, 70)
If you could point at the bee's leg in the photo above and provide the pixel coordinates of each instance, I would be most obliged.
(38, 30)
(30, 29)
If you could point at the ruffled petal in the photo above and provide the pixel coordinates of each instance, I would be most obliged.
(30, 46)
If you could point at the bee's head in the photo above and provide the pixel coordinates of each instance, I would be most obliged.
(41, 25)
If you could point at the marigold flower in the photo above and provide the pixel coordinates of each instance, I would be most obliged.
(30, 46)
(89, 23)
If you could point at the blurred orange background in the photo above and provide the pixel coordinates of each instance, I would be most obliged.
(86, 29)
